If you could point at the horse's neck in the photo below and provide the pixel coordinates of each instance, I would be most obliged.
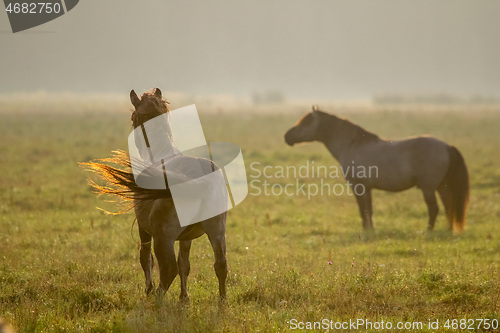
(335, 142)
(342, 141)
(338, 147)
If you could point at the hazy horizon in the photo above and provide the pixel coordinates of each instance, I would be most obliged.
(317, 49)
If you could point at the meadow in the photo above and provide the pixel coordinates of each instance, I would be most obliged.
(66, 266)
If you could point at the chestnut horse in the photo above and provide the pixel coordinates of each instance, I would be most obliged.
(155, 211)
(425, 162)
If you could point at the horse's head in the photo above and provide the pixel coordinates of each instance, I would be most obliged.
(307, 128)
(150, 105)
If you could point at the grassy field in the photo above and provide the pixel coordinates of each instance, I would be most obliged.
(65, 266)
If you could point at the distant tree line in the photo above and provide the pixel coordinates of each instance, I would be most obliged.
(434, 98)
(273, 96)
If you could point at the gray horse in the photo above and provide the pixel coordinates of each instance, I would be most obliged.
(425, 162)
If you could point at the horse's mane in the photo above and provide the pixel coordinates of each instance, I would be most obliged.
(120, 181)
(360, 134)
(346, 128)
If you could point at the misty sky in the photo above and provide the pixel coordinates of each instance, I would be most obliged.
(305, 49)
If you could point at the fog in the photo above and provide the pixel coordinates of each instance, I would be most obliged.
(304, 49)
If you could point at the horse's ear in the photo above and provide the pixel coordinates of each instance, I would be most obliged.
(158, 93)
(134, 98)
(315, 108)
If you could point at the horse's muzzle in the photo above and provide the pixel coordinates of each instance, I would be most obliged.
(288, 139)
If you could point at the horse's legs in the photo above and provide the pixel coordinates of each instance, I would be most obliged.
(447, 199)
(215, 229)
(365, 208)
(165, 254)
(146, 258)
(220, 265)
(432, 206)
(183, 265)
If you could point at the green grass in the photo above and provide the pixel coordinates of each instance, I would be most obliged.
(67, 267)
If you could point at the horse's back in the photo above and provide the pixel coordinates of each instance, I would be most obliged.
(188, 167)
(430, 160)
(160, 216)
(421, 161)
(426, 158)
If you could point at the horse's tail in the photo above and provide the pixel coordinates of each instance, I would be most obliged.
(454, 190)
(120, 181)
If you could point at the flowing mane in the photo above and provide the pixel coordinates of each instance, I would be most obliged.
(120, 181)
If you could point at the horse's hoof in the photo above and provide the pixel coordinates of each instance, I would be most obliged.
(149, 289)
(160, 292)
(222, 303)
(184, 297)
